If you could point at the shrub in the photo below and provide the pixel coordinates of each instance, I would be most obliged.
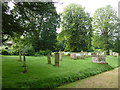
(5, 52)
(42, 53)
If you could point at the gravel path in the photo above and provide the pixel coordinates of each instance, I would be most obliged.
(107, 79)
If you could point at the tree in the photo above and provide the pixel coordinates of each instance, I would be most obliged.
(40, 21)
(10, 25)
(20, 44)
(76, 28)
(104, 24)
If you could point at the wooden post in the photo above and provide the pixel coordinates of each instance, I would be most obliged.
(48, 57)
(57, 59)
(25, 66)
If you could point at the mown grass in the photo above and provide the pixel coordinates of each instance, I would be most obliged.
(42, 75)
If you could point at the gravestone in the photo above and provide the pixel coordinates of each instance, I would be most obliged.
(57, 59)
(73, 56)
(89, 54)
(85, 54)
(60, 56)
(98, 58)
(48, 58)
(110, 53)
(115, 54)
(94, 54)
(77, 56)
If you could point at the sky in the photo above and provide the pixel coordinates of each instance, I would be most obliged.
(90, 5)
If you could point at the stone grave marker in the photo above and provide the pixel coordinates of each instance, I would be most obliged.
(115, 54)
(49, 59)
(89, 54)
(73, 56)
(57, 59)
(98, 58)
(77, 56)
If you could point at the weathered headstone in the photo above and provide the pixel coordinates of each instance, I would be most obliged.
(85, 54)
(77, 56)
(115, 54)
(110, 53)
(60, 56)
(48, 58)
(73, 56)
(94, 54)
(57, 59)
(98, 58)
(89, 54)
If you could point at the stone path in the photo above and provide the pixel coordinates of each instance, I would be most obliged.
(107, 79)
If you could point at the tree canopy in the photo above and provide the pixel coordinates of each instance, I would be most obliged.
(105, 27)
(37, 21)
(76, 28)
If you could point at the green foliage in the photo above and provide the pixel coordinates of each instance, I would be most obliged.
(76, 28)
(5, 52)
(42, 75)
(41, 52)
(61, 45)
(40, 21)
(116, 47)
(105, 26)
(10, 24)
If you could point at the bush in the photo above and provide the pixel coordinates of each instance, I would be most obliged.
(5, 52)
(30, 52)
(42, 53)
(14, 52)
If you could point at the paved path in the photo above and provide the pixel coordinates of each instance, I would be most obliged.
(107, 79)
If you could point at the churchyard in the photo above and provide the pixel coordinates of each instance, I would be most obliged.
(53, 70)
(42, 48)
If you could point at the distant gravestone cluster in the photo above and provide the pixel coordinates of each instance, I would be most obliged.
(97, 57)
(114, 54)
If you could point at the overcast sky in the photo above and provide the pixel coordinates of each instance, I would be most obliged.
(90, 5)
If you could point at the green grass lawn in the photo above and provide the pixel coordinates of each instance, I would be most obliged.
(42, 75)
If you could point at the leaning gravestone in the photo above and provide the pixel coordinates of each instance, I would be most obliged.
(57, 59)
(98, 58)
